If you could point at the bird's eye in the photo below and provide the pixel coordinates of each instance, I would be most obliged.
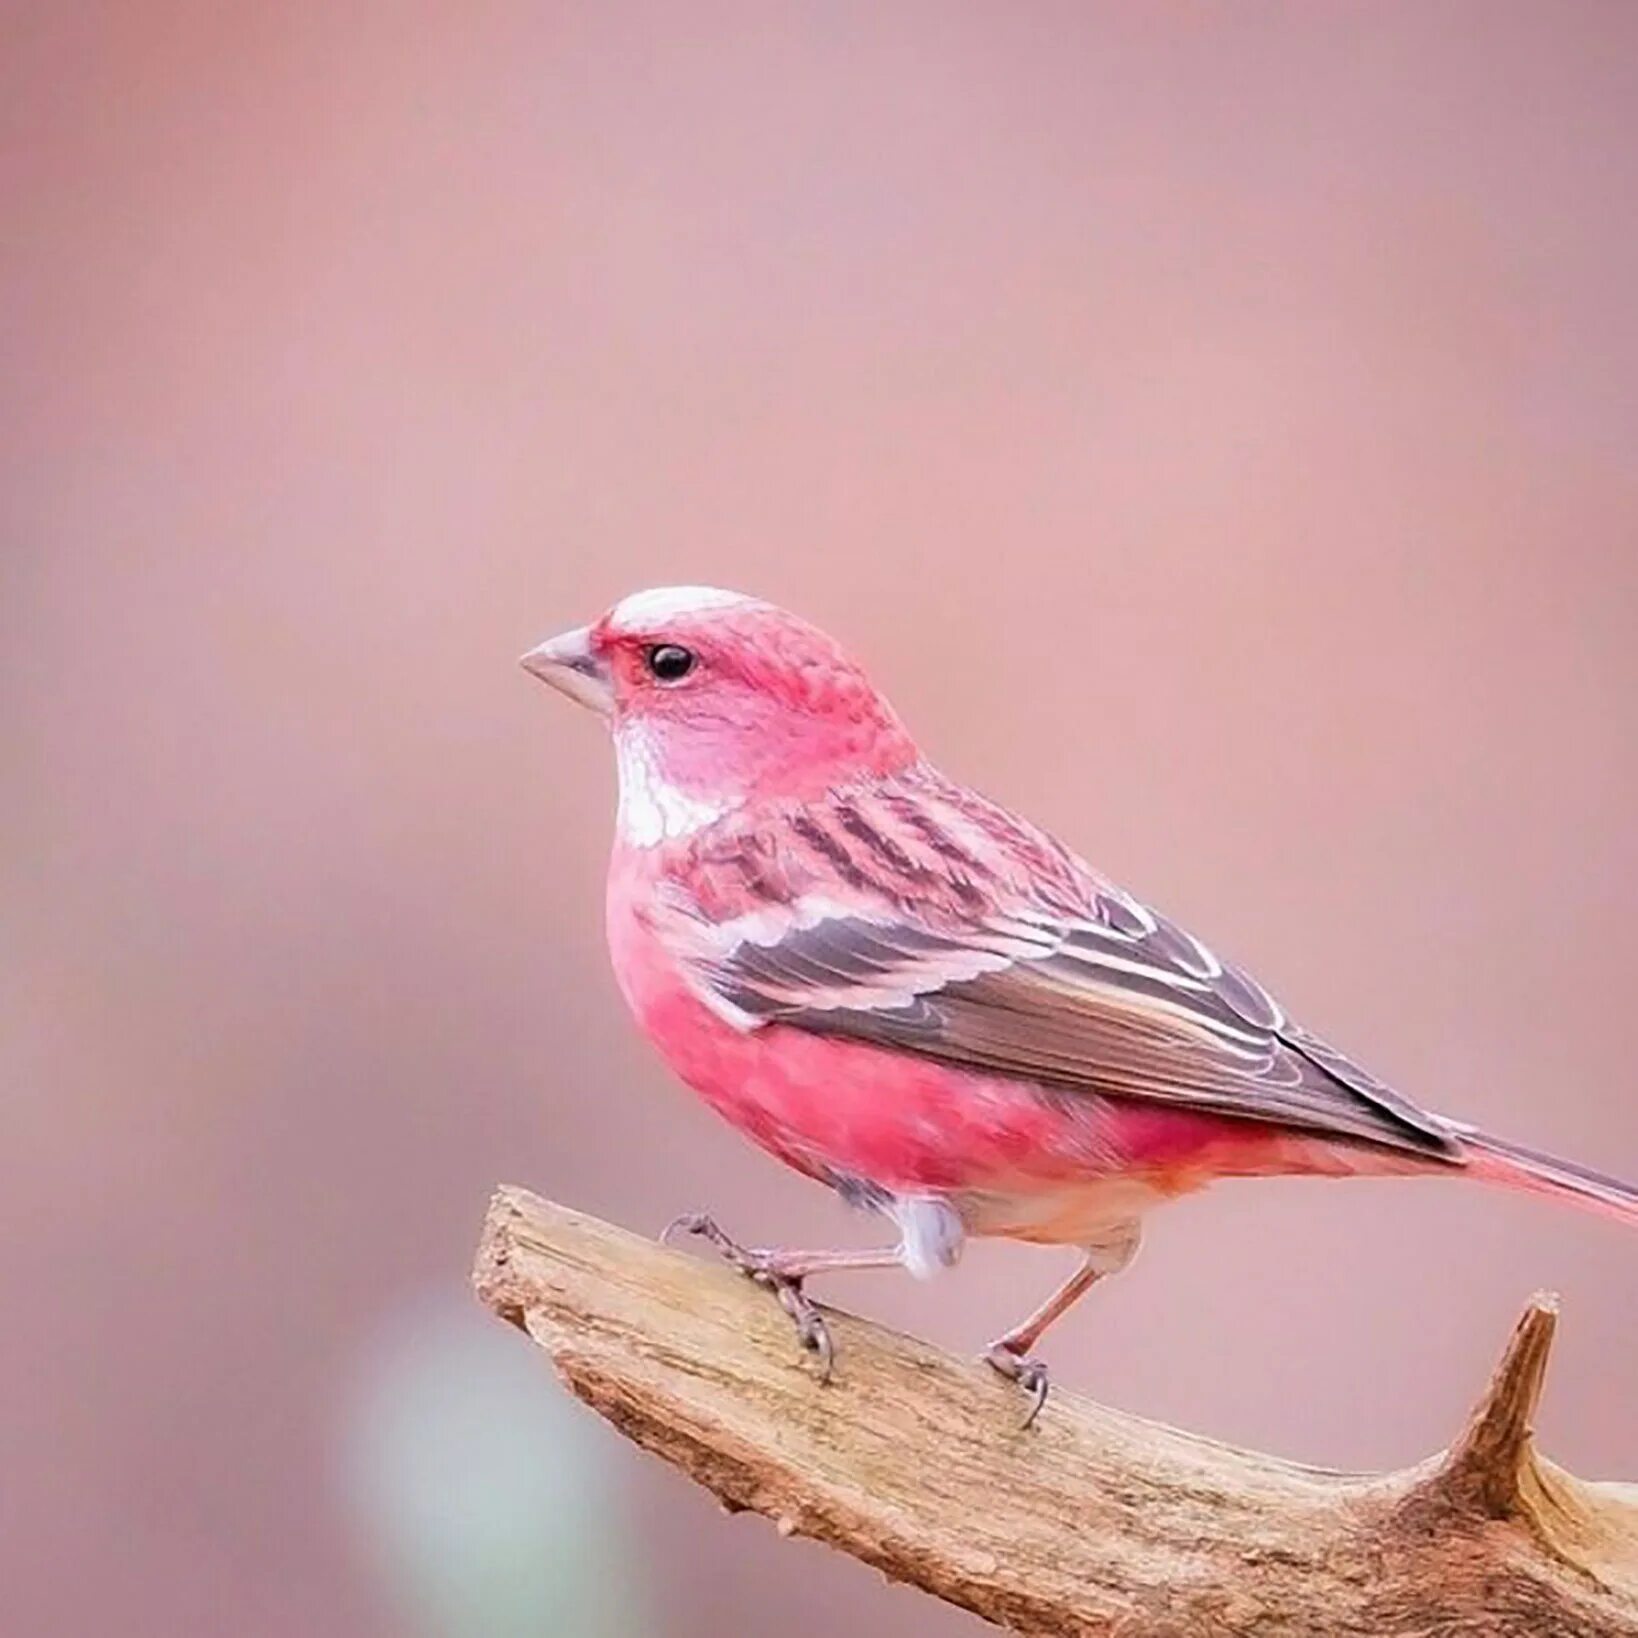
(669, 662)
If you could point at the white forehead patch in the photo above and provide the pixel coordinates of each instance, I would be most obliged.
(644, 610)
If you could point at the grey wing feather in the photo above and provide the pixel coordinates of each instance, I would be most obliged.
(1126, 1006)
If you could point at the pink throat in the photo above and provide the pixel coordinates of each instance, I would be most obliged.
(760, 751)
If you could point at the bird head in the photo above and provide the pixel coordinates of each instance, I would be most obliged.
(715, 700)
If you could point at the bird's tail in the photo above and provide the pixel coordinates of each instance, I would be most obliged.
(1496, 1160)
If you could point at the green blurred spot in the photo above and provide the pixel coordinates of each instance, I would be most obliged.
(486, 1496)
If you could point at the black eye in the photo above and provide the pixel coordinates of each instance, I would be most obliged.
(670, 662)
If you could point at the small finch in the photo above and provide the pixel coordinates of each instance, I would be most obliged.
(906, 992)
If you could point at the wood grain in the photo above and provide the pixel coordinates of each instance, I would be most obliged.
(1093, 1522)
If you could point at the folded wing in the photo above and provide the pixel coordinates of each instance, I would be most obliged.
(1076, 989)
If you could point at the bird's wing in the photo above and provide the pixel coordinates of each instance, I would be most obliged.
(923, 919)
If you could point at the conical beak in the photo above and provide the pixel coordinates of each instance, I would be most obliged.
(570, 665)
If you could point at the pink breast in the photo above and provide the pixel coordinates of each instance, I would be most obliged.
(831, 1106)
(826, 1105)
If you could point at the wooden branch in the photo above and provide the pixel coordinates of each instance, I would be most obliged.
(1091, 1523)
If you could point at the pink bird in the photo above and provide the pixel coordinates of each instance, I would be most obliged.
(905, 991)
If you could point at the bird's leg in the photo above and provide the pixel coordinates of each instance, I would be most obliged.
(782, 1272)
(1011, 1354)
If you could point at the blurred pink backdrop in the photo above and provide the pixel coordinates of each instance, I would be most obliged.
(1216, 426)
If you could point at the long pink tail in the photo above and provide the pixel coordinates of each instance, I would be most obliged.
(1499, 1161)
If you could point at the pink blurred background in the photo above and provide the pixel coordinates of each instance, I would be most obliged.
(1214, 423)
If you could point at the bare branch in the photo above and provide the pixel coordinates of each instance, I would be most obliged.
(1092, 1523)
(1488, 1466)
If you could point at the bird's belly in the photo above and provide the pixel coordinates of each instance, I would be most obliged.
(1080, 1213)
(1015, 1158)
(837, 1109)
(840, 1109)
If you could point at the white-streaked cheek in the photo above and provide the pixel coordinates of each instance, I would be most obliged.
(652, 810)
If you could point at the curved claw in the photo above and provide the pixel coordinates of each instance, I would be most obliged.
(1034, 1377)
(762, 1267)
(689, 1222)
(814, 1335)
(1030, 1375)
(826, 1350)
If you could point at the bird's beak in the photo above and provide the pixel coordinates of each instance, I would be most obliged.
(571, 666)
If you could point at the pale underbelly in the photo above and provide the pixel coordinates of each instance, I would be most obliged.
(1077, 1213)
